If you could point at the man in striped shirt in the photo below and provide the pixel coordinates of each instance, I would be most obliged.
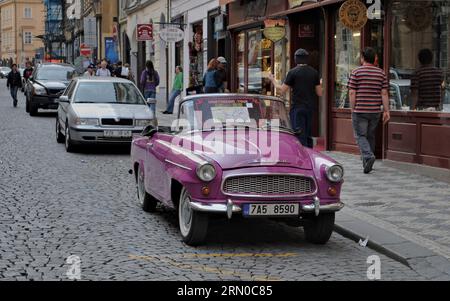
(427, 83)
(369, 93)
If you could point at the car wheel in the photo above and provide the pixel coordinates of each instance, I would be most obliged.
(318, 229)
(59, 135)
(70, 147)
(27, 105)
(193, 224)
(33, 110)
(147, 202)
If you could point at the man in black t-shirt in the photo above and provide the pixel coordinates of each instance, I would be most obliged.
(306, 85)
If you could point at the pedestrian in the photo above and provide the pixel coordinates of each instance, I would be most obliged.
(209, 79)
(369, 93)
(28, 72)
(221, 74)
(14, 83)
(306, 86)
(121, 71)
(176, 90)
(149, 82)
(90, 72)
(427, 84)
(104, 71)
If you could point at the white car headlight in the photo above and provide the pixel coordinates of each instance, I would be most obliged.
(335, 173)
(39, 90)
(206, 172)
(143, 122)
(86, 121)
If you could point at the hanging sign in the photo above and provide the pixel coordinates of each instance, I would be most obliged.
(306, 31)
(171, 34)
(144, 32)
(353, 14)
(274, 30)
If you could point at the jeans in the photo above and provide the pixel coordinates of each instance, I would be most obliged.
(364, 127)
(13, 90)
(151, 94)
(301, 120)
(172, 98)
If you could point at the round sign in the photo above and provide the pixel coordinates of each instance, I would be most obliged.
(419, 17)
(353, 14)
(171, 34)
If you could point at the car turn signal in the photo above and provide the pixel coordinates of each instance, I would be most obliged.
(332, 191)
(206, 191)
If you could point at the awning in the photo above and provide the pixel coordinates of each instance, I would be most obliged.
(225, 2)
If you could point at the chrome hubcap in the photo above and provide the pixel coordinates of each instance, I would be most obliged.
(185, 214)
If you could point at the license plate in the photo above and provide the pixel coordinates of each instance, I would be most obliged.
(271, 209)
(118, 134)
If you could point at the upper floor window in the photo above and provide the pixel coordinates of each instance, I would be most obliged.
(27, 13)
(27, 37)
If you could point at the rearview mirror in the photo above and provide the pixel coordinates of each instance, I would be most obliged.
(64, 99)
(149, 131)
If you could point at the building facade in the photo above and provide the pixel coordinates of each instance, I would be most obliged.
(266, 33)
(22, 21)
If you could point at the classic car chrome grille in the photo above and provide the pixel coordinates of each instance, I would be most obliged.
(269, 185)
(123, 122)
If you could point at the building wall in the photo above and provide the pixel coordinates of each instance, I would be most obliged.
(14, 25)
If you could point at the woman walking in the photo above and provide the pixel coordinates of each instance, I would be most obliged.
(176, 89)
(209, 79)
(149, 82)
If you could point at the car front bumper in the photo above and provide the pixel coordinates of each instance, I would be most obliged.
(45, 102)
(230, 207)
(96, 135)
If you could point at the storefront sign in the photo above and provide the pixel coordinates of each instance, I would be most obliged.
(306, 31)
(295, 3)
(275, 29)
(353, 14)
(171, 34)
(144, 32)
(90, 31)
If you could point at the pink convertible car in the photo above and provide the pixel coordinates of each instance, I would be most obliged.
(236, 155)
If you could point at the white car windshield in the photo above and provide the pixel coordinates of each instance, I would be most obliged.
(206, 113)
(108, 92)
(57, 74)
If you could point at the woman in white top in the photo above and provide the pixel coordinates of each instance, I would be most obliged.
(90, 71)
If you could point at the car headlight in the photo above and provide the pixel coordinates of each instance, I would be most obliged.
(335, 173)
(39, 90)
(86, 121)
(206, 172)
(143, 122)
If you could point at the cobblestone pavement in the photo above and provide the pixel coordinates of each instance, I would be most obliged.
(411, 205)
(54, 204)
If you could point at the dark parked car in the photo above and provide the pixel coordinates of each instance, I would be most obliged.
(46, 85)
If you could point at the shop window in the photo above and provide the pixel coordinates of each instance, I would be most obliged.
(196, 54)
(348, 58)
(419, 66)
(281, 61)
(240, 62)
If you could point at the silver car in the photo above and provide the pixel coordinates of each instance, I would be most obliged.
(101, 110)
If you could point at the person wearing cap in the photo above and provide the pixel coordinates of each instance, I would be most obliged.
(306, 85)
(221, 74)
(90, 71)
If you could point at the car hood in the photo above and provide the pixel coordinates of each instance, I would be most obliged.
(104, 110)
(52, 84)
(242, 149)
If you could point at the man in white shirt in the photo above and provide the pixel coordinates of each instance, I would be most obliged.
(104, 71)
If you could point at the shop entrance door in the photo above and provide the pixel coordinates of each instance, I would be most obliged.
(308, 32)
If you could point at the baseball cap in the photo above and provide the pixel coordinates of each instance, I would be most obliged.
(221, 60)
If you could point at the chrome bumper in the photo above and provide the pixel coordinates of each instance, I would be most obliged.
(230, 208)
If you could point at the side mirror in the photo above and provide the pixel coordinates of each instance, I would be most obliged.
(149, 131)
(64, 99)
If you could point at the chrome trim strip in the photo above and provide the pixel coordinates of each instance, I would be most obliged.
(188, 154)
(324, 208)
(269, 196)
(178, 165)
(214, 208)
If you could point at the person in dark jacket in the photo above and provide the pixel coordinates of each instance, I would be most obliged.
(14, 83)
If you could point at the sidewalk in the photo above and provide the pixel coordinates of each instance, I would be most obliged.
(404, 214)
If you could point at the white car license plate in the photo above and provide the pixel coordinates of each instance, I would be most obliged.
(117, 134)
(271, 209)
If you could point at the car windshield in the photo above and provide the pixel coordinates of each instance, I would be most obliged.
(5, 69)
(207, 113)
(108, 92)
(59, 74)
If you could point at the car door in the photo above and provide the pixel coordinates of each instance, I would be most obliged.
(155, 174)
(63, 108)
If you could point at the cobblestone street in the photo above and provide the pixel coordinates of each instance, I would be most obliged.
(55, 204)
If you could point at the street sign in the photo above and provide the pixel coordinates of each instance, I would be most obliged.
(171, 34)
(144, 32)
(85, 51)
(90, 31)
